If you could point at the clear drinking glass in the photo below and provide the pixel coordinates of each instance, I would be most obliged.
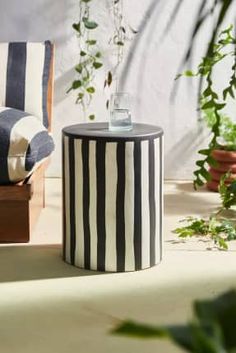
(120, 115)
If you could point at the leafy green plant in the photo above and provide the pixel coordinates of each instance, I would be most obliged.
(227, 191)
(227, 138)
(212, 329)
(218, 230)
(90, 57)
(212, 103)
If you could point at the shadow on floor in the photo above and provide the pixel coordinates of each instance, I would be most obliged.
(188, 187)
(185, 204)
(35, 262)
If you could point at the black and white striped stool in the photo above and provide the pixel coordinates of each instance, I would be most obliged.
(112, 197)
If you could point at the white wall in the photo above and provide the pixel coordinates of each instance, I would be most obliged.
(150, 76)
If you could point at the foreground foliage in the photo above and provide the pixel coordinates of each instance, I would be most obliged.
(212, 329)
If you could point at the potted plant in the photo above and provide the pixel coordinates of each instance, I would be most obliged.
(224, 152)
(220, 155)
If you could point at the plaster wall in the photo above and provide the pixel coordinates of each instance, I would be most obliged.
(148, 72)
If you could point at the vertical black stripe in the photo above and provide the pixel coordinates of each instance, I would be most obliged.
(137, 206)
(46, 74)
(86, 191)
(152, 206)
(64, 235)
(101, 190)
(16, 67)
(72, 199)
(161, 196)
(120, 207)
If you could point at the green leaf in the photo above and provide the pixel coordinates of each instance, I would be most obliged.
(91, 117)
(207, 105)
(76, 84)
(90, 90)
(207, 92)
(205, 152)
(205, 174)
(83, 53)
(97, 65)
(91, 41)
(212, 162)
(200, 163)
(222, 244)
(219, 106)
(79, 68)
(89, 24)
(188, 73)
(109, 78)
(98, 54)
(76, 27)
(229, 91)
(214, 95)
(130, 328)
(221, 310)
(197, 182)
(120, 43)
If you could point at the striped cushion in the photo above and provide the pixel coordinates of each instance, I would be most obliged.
(24, 144)
(24, 77)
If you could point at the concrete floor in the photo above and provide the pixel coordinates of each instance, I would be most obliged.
(48, 306)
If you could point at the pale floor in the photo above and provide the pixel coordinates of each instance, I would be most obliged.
(48, 306)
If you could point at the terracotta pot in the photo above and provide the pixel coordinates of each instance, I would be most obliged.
(226, 162)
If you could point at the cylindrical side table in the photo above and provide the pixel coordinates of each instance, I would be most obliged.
(112, 197)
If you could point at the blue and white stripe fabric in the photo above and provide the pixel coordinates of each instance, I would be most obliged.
(24, 144)
(25, 71)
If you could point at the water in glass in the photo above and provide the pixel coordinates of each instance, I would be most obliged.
(120, 116)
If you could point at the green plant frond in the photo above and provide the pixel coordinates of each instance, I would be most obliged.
(216, 230)
(212, 329)
(138, 330)
(227, 192)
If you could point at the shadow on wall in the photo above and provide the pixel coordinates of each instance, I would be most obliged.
(35, 20)
(41, 20)
(149, 14)
(186, 148)
(62, 84)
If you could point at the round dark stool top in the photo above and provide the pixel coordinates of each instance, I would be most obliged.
(98, 131)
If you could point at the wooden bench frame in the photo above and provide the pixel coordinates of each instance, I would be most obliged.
(21, 204)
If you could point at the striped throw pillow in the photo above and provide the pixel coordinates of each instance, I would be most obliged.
(25, 71)
(24, 144)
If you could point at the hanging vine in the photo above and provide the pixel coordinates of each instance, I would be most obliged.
(90, 58)
(122, 34)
